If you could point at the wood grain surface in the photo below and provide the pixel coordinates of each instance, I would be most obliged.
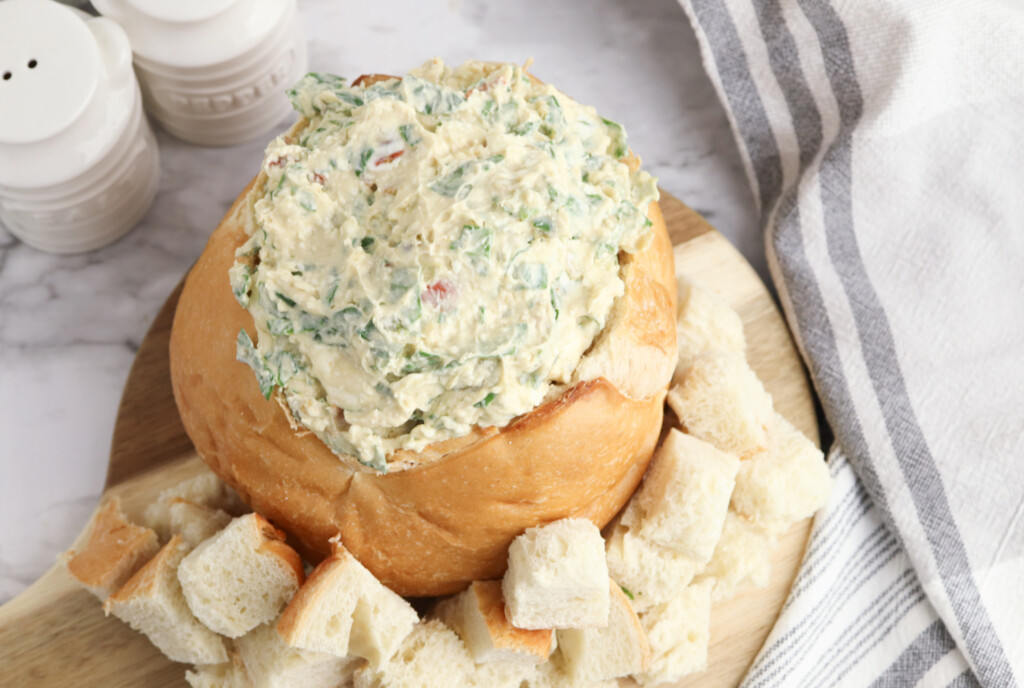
(55, 634)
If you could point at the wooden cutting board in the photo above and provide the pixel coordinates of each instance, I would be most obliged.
(55, 634)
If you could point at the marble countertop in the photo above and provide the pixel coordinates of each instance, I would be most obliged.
(70, 325)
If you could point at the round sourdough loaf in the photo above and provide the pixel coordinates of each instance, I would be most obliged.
(444, 516)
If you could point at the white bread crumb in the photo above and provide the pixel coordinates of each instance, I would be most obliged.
(152, 603)
(742, 559)
(433, 656)
(241, 577)
(785, 484)
(557, 577)
(477, 615)
(618, 649)
(684, 497)
(721, 401)
(679, 632)
(704, 323)
(270, 663)
(206, 489)
(342, 609)
(651, 574)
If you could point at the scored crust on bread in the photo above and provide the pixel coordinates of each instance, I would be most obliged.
(478, 615)
(557, 577)
(152, 603)
(448, 516)
(115, 550)
(343, 610)
(618, 649)
(241, 577)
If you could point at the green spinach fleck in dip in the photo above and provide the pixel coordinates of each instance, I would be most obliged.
(433, 253)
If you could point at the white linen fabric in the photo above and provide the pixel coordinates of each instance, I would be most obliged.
(884, 142)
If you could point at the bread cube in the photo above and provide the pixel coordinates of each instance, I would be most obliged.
(555, 674)
(785, 484)
(241, 577)
(195, 522)
(344, 610)
(721, 401)
(704, 323)
(651, 574)
(115, 550)
(477, 615)
(678, 631)
(205, 489)
(270, 663)
(152, 603)
(433, 656)
(741, 559)
(618, 649)
(229, 674)
(684, 497)
(557, 577)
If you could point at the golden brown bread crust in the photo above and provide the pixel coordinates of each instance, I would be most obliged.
(449, 519)
(116, 549)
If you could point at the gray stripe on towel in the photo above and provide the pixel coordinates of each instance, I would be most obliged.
(744, 102)
(930, 646)
(916, 462)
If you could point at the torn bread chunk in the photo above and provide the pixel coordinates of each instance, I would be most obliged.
(684, 497)
(704, 323)
(721, 401)
(557, 577)
(649, 573)
(433, 656)
(270, 663)
(555, 674)
(115, 550)
(618, 649)
(678, 631)
(152, 603)
(742, 559)
(229, 674)
(195, 522)
(206, 489)
(343, 610)
(478, 616)
(241, 577)
(785, 484)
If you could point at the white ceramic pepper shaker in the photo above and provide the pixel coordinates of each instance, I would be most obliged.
(214, 72)
(78, 162)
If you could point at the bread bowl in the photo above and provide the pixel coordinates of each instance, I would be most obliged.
(442, 513)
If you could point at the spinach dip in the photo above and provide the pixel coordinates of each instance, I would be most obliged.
(433, 253)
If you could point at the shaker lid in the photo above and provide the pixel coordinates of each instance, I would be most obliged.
(49, 69)
(181, 10)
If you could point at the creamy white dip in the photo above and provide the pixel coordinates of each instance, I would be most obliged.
(433, 253)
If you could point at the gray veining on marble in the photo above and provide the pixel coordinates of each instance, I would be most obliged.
(69, 326)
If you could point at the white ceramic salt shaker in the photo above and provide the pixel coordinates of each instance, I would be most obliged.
(78, 162)
(214, 72)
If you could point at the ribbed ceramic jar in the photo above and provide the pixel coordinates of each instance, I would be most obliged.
(214, 72)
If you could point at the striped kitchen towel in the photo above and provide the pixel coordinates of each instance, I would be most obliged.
(884, 141)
